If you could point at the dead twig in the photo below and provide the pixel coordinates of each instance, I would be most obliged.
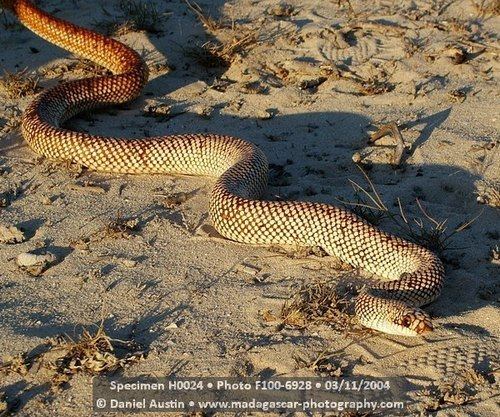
(208, 22)
(391, 129)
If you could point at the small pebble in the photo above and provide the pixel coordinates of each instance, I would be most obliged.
(356, 157)
(129, 263)
(35, 264)
(46, 201)
(11, 234)
(265, 114)
(457, 55)
(203, 111)
(249, 269)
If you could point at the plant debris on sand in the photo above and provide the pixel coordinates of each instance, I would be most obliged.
(325, 364)
(19, 84)
(135, 16)
(91, 354)
(317, 303)
(229, 40)
(63, 357)
(463, 389)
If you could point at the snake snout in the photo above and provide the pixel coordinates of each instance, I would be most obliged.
(417, 321)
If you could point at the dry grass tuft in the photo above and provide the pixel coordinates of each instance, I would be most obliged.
(346, 4)
(366, 211)
(92, 354)
(141, 15)
(374, 84)
(486, 8)
(413, 45)
(425, 230)
(9, 193)
(207, 55)
(430, 232)
(299, 252)
(140, 11)
(462, 390)
(136, 16)
(207, 21)
(213, 54)
(253, 87)
(63, 357)
(161, 112)
(19, 84)
(171, 201)
(317, 303)
(234, 40)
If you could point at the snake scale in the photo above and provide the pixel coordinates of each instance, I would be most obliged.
(413, 276)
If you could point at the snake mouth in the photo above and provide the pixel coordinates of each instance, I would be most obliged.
(424, 327)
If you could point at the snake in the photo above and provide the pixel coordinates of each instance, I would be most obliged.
(409, 276)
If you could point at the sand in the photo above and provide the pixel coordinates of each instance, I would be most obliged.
(307, 82)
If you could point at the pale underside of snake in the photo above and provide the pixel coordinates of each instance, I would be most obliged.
(412, 275)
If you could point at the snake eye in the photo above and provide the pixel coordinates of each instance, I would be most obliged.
(406, 321)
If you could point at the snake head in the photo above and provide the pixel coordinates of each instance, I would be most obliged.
(413, 322)
(391, 316)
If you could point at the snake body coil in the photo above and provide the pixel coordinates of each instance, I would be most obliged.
(415, 274)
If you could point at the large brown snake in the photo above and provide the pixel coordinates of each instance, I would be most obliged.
(414, 275)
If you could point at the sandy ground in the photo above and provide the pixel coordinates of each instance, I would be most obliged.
(306, 82)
